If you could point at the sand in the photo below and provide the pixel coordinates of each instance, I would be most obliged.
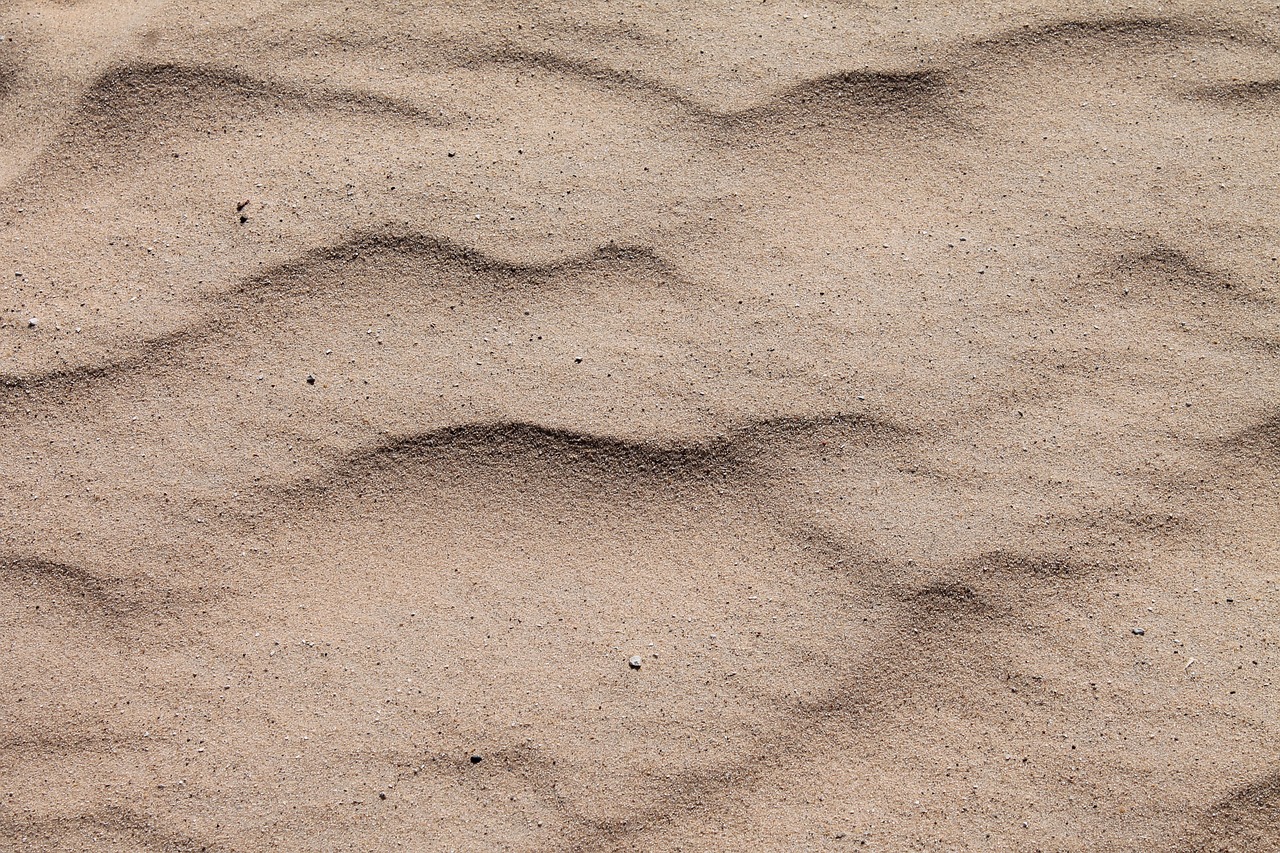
(900, 382)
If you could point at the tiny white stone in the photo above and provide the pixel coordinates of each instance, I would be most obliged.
(32, 323)
(635, 661)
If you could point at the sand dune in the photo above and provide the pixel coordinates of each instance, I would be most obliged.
(898, 384)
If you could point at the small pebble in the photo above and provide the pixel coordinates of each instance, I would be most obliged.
(476, 759)
(635, 661)
(382, 796)
(311, 380)
(1139, 631)
(32, 323)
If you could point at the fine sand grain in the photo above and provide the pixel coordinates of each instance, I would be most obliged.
(899, 383)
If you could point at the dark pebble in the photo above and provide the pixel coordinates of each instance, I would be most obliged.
(476, 759)
(311, 380)
(382, 796)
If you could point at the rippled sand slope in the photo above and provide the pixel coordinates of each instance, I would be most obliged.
(900, 382)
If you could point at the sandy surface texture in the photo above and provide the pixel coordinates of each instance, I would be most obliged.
(611, 426)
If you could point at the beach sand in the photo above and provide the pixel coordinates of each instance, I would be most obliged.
(900, 383)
